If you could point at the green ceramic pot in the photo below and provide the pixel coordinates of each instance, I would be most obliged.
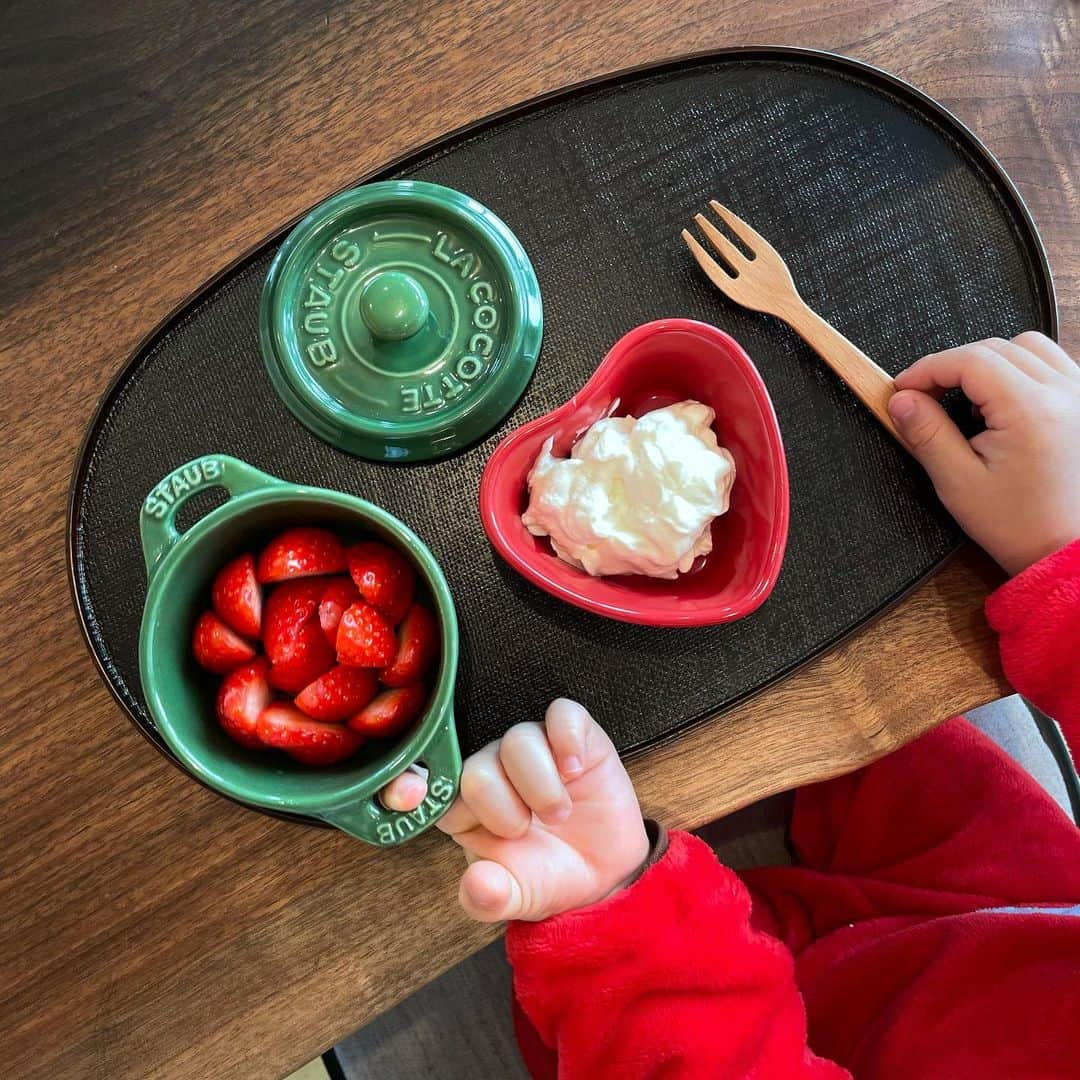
(400, 321)
(180, 695)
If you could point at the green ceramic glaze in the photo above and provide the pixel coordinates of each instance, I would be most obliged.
(394, 306)
(400, 320)
(180, 695)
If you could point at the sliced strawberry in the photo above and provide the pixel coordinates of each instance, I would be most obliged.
(237, 596)
(310, 741)
(310, 656)
(298, 553)
(289, 607)
(365, 638)
(338, 694)
(391, 712)
(383, 576)
(216, 647)
(294, 640)
(418, 645)
(244, 693)
(339, 594)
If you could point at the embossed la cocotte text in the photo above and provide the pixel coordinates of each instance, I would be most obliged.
(430, 395)
(323, 289)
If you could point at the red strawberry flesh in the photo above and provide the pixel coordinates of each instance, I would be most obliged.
(237, 596)
(243, 695)
(339, 594)
(294, 640)
(289, 608)
(338, 694)
(391, 712)
(216, 647)
(383, 576)
(309, 656)
(310, 741)
(418, 645)
(365, 638)
(299, 553)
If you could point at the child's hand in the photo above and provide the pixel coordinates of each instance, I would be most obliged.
(1014, 488)
(548, 820)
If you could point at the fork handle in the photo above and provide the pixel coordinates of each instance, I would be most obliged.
(871, 385)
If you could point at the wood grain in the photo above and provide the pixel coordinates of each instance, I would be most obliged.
(149, 928)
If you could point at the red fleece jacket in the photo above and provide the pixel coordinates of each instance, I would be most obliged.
(884, 953)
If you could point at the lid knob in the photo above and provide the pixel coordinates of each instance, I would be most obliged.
(393, 305)
(400, 321)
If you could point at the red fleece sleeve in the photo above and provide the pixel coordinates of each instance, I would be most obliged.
(665, 979)
(1037, 615)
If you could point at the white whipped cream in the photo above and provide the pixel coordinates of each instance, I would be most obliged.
(636, 496)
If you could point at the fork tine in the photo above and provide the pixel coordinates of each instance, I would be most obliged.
(713, 270)
(724, 247)
(757, 243)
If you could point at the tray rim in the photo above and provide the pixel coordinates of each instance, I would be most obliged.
(828, 61)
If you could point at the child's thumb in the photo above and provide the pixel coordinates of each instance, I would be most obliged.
(933, 439)
(489, 892)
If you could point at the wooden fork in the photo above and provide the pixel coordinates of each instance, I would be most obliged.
(763, 283)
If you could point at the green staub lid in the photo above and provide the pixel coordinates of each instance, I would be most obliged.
(400, 320)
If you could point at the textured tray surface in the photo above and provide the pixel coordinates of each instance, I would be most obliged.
(896, 228)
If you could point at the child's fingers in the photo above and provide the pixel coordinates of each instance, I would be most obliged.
(405, 792)
(567, 726)
(489, 793)
(576, 739)
(980, 371)
(489, 892)
(1031, 364)
(457, 820)
(934, 440)
(503, 784)
(526, 756)
(1047, 350)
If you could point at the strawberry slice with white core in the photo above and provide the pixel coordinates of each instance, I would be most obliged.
(418, 645)
(216, 647)
(237, 596)
(339, 595)
(243, 695)
(391, 712)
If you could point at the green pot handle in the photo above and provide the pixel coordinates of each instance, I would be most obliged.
(157, 521)
(371, 821)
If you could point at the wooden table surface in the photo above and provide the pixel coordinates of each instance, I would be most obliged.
(147, 927)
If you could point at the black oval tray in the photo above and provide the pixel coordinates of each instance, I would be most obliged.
(898, 226)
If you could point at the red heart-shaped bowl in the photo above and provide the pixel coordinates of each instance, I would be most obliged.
(655, 365)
